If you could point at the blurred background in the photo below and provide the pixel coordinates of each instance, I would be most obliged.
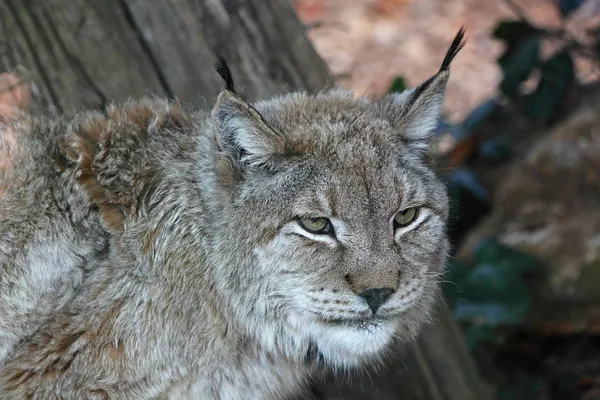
(518, 145)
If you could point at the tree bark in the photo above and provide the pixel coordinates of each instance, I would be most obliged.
(85, 53)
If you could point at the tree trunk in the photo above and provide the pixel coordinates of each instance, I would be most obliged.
(85, 53)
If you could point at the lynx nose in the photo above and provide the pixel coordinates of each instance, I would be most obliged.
(376, 297)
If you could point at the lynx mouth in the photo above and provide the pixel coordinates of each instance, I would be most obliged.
(353, 323)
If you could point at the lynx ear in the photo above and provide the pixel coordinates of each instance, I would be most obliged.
(416, 111)
(241, 130)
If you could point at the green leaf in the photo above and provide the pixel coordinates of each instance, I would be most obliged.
(505, 57)
(490, 251)
(491, 282)
(398, 85)
(493, 292)
(557, 75)
(524, 59)
(512, 32)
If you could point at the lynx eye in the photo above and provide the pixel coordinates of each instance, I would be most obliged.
(406, 217)
(317, 225)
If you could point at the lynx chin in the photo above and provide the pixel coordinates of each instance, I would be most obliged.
(149, 252)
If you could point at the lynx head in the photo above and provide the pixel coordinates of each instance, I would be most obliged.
(329, 228)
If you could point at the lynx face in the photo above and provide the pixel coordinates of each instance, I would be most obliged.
(330, 198)
(347, 228)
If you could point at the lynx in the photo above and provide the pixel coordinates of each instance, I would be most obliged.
(149, 252)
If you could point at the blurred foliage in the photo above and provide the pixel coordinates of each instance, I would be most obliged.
(493, 290)
(557, 74)
(493, 293)
(522, 62)
(521, 59)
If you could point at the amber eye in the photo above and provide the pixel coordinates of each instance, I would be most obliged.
(318, 225)
(406, 217)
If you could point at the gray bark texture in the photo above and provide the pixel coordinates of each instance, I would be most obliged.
(85, 53)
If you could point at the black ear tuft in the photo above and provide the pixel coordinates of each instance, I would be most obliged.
(457, 44)
(223, 69)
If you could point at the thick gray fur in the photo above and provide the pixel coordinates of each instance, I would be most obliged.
(153, 253)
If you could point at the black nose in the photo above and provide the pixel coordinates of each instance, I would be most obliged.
(376, 297)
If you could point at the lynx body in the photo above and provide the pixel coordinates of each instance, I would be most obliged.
(153, 253)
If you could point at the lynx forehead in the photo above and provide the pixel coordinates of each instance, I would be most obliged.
(228, 254)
